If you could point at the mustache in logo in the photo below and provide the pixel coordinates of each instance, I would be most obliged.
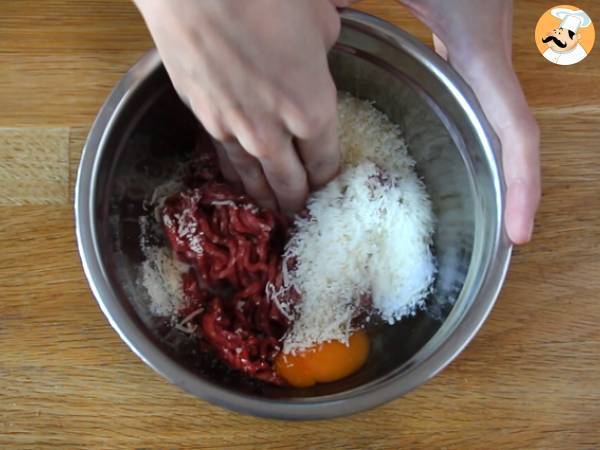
(555, 40)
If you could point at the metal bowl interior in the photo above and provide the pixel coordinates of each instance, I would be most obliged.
(144, 131)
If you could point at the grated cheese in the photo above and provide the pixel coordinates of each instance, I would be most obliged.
(191, 315)
(160, 275)
(368, 233)
(224, 203)
(165, 190)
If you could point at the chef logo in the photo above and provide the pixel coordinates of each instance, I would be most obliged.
(565, 35)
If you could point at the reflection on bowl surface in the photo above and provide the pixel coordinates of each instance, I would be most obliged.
(143, 133)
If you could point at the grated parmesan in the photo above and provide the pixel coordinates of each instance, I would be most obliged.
(368, 233)
(160, 274)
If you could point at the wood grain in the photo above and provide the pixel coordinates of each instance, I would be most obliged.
(34, 168)
(530, 379)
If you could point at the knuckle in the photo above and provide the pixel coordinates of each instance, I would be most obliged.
(317, 117)
(270, 97)
(312, 122)
(264, 141)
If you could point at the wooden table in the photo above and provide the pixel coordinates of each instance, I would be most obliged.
(530, 379)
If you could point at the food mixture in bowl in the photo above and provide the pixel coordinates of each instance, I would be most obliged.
(287, 301)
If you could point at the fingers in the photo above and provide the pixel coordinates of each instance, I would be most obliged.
(206, 112)
(287, 176)
(314, 124)
(263, 157)
(271, 144)
(522, 169)
(519, 136)
(229, 172)
(249, 171)
(321, 155)
(504, 104)
(236, 164)
(278, 171)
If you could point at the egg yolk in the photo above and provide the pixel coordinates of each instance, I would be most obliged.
(327, 362)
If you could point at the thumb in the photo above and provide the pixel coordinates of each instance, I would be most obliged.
(498, 90)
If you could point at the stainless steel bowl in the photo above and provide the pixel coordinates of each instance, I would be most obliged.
(143, 130)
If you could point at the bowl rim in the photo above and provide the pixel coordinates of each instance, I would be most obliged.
(314, 407)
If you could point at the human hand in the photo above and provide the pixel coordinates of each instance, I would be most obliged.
(256, 75)
(476, 38)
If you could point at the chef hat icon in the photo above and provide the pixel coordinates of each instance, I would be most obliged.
(571, 20)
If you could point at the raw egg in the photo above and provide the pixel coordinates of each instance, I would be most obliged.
(330, 361)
